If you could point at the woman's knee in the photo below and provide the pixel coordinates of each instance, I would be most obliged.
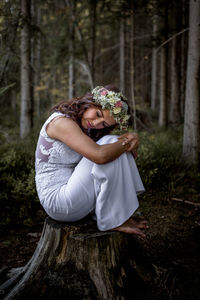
(108, 139)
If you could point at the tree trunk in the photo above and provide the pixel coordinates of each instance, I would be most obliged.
(71, 76)
(13, 100)
(191, 139)
(174, 92)
(76, 261)
(37, 57)
(163, 88)
(71, 90)
(122, 56)
(154, 67)
(93, 7)
(132, 68)
(26, 109)
(86, 65)
(183, 54)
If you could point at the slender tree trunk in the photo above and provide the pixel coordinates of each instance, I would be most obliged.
(154, 67)
(182, 73)
(37, 59)
(93, 6)
(26, 111)
(72, 60)
(13, 100)
(191, 139)
(163, 88)
(174, 95)
(71, 76)
(132, 67)
(122, 56)
(85, 65)
(127, 36)
(145, 78)
(183, 58)
(33, 6)
(163, 112)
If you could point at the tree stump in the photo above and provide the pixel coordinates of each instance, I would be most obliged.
(76, 261)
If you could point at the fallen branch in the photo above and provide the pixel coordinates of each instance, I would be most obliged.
(186, 201)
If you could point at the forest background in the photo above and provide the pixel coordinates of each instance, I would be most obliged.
(54, 50)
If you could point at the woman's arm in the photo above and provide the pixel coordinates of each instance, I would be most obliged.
(67, 131)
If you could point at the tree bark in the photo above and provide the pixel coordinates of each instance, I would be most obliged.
(72, 59)
(174, 92)
(154, 66)
(86, 64)
(93, 7)
(26, 107)
(191, 140)
(132, 68)
(76, 261)
(163, 111)
(13, 100)
(37, 57)
(163, 88)
(183, 54)
(122, 56)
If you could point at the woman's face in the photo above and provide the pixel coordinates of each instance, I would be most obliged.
(97, 118)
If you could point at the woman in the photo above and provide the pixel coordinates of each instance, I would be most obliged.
(76, 176)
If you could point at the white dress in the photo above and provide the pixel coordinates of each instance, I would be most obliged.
(70, 186)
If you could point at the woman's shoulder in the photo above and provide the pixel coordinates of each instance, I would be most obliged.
(61, 124)
(49, 120)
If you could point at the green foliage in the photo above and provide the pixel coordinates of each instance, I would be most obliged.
(159, 164)
(159, 158)
(18, 199)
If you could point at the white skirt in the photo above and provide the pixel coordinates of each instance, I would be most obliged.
(110, 190)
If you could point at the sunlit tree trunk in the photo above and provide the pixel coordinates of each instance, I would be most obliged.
(26, 111)
(174, 92)
(122, 56)
(191, 139)
(163, 88)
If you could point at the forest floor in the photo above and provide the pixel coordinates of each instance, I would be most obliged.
(173, 242)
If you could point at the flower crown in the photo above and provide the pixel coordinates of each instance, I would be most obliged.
(112, 101)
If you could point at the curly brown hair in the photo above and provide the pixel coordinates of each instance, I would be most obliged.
(76, 107)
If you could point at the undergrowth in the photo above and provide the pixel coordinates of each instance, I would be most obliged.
(19, 204)
(159, 158)
(159, 162)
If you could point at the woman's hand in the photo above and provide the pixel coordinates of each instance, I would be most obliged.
(130, 138)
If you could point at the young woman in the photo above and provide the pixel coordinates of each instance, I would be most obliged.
(75, 175)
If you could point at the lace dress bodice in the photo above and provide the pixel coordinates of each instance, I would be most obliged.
(54, 162)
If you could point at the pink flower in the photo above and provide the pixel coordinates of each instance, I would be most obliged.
(118, 104)
(104, 93)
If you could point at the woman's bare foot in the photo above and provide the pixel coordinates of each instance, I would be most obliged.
(132, 227)
(142, 224)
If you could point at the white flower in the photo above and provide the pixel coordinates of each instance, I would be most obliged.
(116, 110)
